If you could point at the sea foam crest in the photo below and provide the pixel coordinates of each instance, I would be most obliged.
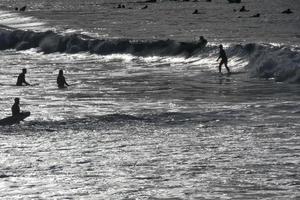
(264, 60)
(268, 61)
(50, 42)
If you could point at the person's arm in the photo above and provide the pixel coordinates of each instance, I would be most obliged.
(24, 81)
(66, 82)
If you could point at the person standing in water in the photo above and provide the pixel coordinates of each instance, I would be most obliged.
(61, 81)
(21, 78)
(15, 109)
(224, 59)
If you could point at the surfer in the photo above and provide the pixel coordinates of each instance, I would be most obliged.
(16, 117)
(15, 109)
(243, 9)
(61, 81)
(23, 8)
(202, 41)
(195, 12)
(224, 59)
(288, 11)
(256, 15)
(21, 78)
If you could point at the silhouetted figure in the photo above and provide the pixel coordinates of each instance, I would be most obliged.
(195, 12)
(61, 81)
(23, 8)
(243, 9)
(287, 11)
(256, 15)
(21, 78)
(224, 59)
(123, 6)
(119, 6)
(145, 7)
(202, 41)
(16, 8)
(15, 109)
(234, 1)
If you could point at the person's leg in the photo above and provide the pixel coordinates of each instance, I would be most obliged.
(220, 66)
(225, 63)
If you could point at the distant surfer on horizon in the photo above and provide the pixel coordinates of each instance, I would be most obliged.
(21, 78)
(224, 59)
(61, 81)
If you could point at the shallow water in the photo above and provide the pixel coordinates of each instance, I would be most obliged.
(150, 127)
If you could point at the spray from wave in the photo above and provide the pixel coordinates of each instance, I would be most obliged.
(50, 42)
(264, 60)
(281, 63)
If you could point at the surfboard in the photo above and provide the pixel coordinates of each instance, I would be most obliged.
(14, 119)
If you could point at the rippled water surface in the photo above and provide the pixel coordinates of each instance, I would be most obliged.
(149, 127)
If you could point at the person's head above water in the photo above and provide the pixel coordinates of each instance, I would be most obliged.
(24, 70)
(17, 100)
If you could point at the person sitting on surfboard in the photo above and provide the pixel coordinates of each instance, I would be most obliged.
(224, 59)
(21, 78)
(61, 81)
(15, 109)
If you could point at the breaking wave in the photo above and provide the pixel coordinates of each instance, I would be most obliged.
(281, 63)
(50, 42)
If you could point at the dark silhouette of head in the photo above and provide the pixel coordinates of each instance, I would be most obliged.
(61, 72)
(17, 100)
(24, 70)
(221, 46)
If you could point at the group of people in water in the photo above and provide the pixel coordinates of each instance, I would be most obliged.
(61, 81)
(243, 9)
(21, 81)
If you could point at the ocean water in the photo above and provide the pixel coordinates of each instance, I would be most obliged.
(147, 115)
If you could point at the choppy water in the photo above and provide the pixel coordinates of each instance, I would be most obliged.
(149, 118)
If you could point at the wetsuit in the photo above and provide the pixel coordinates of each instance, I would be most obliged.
(21, 80)
(61, 81)
(223, 56)
(15, 109)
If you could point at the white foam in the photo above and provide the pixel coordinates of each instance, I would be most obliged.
(16, 20)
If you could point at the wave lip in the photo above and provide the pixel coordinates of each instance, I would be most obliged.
(50, 42)
(281, 63)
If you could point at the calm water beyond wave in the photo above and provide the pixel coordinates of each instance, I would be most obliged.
(146, 115)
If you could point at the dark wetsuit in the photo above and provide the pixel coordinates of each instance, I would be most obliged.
(224, 60)
(223, 56)
(15, 109)
(21, 80)
(61, 81)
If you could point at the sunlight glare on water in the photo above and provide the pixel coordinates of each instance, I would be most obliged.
(149, 125)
